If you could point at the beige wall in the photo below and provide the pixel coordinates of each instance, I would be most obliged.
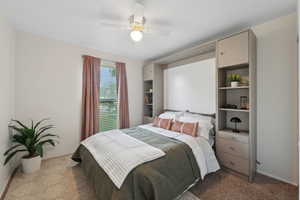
(49, 84)
(298, 18)
(277, 133)
(7, 37)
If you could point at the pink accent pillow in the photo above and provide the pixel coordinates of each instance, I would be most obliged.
(176, 126)
(156, 122)
(165, 123)
(190, 129)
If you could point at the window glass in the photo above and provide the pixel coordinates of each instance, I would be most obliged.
(108, 98)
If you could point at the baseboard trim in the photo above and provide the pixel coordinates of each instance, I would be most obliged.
(277, 178)
(60, 156)
(3, 188)
(8, 183)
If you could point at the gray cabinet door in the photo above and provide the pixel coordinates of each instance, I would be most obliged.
(148, 72)
(233, 50)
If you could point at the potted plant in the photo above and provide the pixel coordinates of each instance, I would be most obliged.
(234, 79)
(31, 140)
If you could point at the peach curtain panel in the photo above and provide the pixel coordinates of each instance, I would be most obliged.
(122, 95)
(90, 96)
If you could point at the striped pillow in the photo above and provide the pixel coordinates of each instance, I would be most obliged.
(162, 123)
(176, 126)
(190, 129)
(165, 123)
(156, 122)
(185, 127)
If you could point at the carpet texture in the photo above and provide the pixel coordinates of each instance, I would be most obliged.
(60, 180)
(189, 196)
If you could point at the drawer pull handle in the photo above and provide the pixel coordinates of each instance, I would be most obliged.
(222, 53)
(232, 148)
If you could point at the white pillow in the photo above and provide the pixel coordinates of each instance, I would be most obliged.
(204, 125)
(171, 115)
(200, 117)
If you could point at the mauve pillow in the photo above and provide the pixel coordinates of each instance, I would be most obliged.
(176, 126)
(165, 123)
(204, 126)
(190, 129)
(156, 122)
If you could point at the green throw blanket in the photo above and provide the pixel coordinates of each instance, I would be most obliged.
(165, 178)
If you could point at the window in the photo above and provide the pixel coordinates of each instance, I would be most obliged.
(108, 98)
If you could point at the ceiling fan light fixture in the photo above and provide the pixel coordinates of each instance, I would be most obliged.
(136, 36)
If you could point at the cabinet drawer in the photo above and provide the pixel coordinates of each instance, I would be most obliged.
(233, 147)
(228, 134)
(233, 162)
(233, 50)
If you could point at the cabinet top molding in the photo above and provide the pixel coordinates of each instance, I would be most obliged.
(203, 48)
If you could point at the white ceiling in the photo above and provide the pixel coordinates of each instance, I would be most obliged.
(191, 21)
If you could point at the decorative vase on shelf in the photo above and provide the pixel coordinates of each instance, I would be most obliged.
(234, 84)
(234, 79)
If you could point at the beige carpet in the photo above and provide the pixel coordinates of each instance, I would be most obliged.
(57, 180)
(189, 196)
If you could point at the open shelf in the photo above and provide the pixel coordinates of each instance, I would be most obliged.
(229, 131)
(233, 67)
(148, 116)
(148, 99)
(234, 110)
(234, 88)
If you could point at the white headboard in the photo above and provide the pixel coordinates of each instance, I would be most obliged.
(191, 87)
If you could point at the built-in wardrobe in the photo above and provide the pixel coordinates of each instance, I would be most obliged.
(235, 110)
(236, 149)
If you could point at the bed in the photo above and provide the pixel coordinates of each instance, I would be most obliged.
(164, 178)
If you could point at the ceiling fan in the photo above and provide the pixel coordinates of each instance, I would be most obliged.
(136, 24)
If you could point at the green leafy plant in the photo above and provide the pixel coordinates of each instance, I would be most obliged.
(234, 78)
(30, 139)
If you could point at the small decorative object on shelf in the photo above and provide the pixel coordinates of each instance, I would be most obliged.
(235, 120)
(234, 80)
(146, 100)
(230, 106)
(244, 81)
(244, 102)
(151, 90)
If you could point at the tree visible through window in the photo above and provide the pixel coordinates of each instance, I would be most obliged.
(108, 99)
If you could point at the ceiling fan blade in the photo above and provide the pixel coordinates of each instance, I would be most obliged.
(158, 31)
(110, 24)
(139, 9)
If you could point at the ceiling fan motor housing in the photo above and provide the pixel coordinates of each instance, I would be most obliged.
(137, 22)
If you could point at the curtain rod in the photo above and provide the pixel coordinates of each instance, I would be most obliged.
(103, 59)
